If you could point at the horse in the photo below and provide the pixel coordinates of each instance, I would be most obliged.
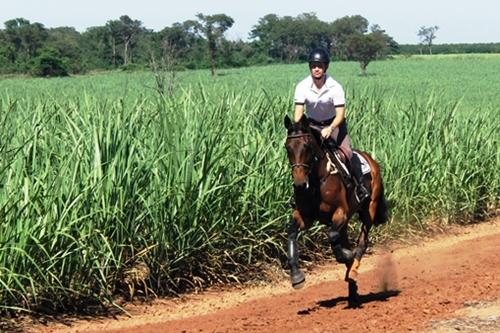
(322, 195)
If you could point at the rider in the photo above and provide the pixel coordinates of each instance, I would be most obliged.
(324, 102)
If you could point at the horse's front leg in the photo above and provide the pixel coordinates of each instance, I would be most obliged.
(296, 275)
(337, 234)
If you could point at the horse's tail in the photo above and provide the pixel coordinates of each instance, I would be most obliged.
(382, 212)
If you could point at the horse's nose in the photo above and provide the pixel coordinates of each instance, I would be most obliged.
(302, 184)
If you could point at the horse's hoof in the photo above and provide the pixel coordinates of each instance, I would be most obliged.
(299, 285)
(298, 280)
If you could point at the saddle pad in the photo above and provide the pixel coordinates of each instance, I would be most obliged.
(365, 167)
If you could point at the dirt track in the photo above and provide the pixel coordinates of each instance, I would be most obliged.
(448, 284)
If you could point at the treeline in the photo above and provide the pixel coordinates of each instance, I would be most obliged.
(450, 48)
(27, 47)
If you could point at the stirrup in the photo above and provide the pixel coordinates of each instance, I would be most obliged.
(361, 193)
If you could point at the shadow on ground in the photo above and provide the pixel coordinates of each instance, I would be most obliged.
(381, 296)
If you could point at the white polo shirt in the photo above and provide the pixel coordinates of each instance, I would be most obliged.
(320, 105)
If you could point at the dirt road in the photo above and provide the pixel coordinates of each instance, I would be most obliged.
(446, 284)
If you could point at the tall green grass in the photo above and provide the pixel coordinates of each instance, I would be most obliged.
(98, 173)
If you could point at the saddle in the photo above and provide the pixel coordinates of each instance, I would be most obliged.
(338, 163)
(351, 172)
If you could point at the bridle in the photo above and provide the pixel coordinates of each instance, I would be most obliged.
(302, 165)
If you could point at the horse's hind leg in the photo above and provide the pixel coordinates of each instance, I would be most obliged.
(366, 217)
(296, 274)
(352, 268)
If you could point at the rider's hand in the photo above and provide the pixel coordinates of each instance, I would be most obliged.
(326, 132)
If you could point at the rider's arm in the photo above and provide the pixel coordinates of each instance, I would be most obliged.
(299, 111)
(339, 117)
(300, 100)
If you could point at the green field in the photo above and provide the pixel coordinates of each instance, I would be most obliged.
(99, 174)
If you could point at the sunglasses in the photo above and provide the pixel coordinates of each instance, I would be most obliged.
(316, 64)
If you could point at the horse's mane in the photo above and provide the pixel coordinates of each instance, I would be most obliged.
(303, 126)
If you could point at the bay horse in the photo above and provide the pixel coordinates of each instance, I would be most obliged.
(322, 195)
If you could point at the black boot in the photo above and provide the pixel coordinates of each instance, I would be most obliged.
(362, 192)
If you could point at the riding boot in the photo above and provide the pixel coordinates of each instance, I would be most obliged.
(362, 192)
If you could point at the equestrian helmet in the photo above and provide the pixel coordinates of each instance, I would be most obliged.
(319, 55)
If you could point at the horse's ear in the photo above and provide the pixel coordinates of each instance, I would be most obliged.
(288, 122)
(305, 121)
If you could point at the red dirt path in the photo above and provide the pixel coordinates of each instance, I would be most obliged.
(409, 288)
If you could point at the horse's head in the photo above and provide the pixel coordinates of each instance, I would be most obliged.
(301, 148)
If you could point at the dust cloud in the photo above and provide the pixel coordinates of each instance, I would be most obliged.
(387, 273)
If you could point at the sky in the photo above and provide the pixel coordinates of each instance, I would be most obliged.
(459, 21)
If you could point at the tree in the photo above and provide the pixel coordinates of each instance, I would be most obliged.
(49, 64)
(129, 31)
(66, 41)
(123, 31)
(180, 40)
(427, 35)
(213, 28)
(341, 29)
(25, 38)
(97, 48)
(113, 29)
(290, 38)
(367, 47)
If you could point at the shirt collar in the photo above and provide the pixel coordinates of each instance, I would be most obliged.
(329, 82)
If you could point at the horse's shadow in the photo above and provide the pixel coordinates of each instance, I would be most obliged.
(381, 296)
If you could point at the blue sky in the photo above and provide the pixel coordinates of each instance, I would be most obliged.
(458, 21)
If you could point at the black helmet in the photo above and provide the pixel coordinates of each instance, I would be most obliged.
(319, 55)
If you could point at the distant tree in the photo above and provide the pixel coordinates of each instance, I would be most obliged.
(263, 35)
(213, 28)
(49, 64)
(290, 38)
(340, 31)
(97, 50)
(113, 32)
(66, 41)
(129, 31)
(25, 38)
(7, 57)
(365, 48)
(179, 40)
(123, 31)
(427, 36)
